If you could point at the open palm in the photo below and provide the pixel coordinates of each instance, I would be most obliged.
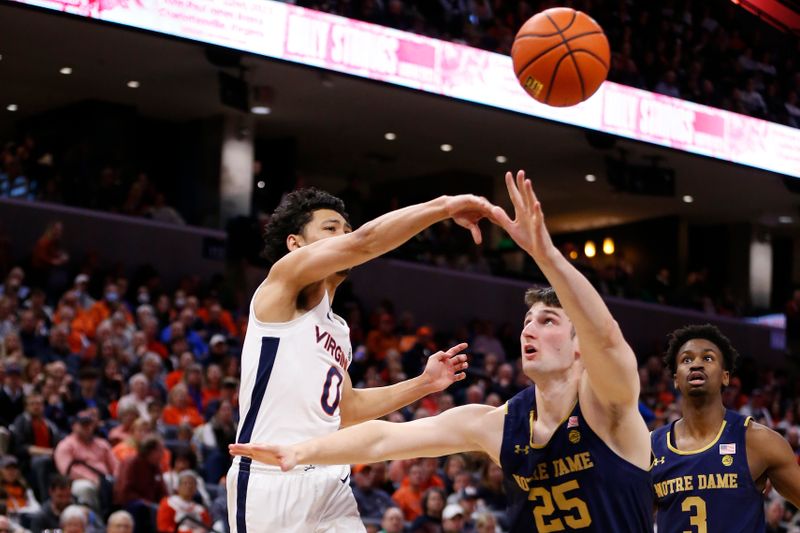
(276, 455)
(527, 229)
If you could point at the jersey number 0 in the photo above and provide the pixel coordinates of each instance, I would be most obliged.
(327, 405)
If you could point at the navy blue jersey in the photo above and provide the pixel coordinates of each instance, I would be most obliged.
(708, 490)
(575, 482)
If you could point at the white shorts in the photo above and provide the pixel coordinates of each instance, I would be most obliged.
(317, 499)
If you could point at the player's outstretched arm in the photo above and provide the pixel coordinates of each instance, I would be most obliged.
(609, 361)
(779, 461)
(461, 429)
(442, 370)
(325, 257)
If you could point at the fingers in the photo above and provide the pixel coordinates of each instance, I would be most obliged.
(513, 192)
(500, 217)
(476, 233)
(530, 196)
(460, 376)
(240, 449)
(460, 347)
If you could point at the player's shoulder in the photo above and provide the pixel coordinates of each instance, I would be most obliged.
(760, 435)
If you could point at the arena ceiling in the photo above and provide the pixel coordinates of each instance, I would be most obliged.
(340, 123)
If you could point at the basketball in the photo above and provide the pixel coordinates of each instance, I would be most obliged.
(561, 56)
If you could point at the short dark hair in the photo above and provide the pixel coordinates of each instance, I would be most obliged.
(291, 216)
(57, 481)
(545, 295)
(149, 444)
(711, 333)
(186, 453)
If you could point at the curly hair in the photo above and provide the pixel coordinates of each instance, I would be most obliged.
(292, 215)
(681, 336)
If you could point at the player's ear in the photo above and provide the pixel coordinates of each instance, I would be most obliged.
(293, 242)
(726, 378)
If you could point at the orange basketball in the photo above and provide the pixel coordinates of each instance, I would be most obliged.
(561, 56)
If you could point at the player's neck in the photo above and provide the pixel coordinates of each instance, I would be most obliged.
(555, 398)
(702, 416)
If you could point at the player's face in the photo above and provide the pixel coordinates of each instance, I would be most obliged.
(700, 368)
(324, 223)
(547, 341)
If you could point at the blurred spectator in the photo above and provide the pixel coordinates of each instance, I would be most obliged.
(382, 339)
(49, 258)
(120, 522)
(123, 430)
(48, 517)
(409, 497)
(491, 490)
(431, 519)
(35, 439)
(485, 522)
(19, 498)
(86, 459)
(372, 501)
(392, 521)
(180, 408)
(163, 212)
(212, 439)
(140, 485)
(137, 398)
(74, 519)
(179, 512)
(453, 519)
(12, 398)
(184, 460)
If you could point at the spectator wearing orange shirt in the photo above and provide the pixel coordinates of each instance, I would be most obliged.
(179, 512)
(108, 305)
(180, 409)
(428, 477)
(213, 385)
(127, 448)
(382, 339)
(409, 497)
(176, 376)
(217, 320)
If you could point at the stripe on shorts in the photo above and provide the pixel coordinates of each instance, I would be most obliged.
(269, 349)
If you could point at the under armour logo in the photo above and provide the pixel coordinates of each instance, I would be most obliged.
(519, 449)
(659, 461)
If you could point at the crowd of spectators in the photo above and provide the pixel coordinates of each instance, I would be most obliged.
(118, 397)
(31, 172)
(712, 52)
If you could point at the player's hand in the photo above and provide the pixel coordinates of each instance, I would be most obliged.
(282, 456)
(527, 229)
(467, 210)
(445, 368)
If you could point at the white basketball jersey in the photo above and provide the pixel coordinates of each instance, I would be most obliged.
(292, 376)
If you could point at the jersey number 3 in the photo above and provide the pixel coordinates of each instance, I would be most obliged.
(544, 508)
(698, 518)
(327, 405)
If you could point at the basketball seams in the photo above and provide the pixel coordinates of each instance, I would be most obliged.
(569, 52)
(592, 54)
(547, 51)
(558, 30)
(553, 77)
(561, 89)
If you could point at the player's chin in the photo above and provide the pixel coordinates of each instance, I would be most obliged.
(344, 273)
(697, 391)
